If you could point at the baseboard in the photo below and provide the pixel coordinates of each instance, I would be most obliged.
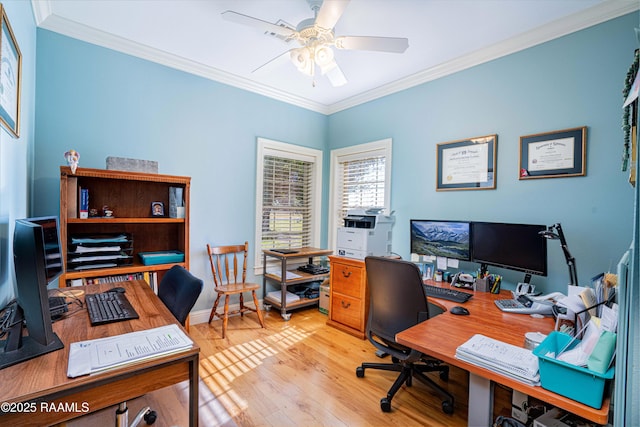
(202, 316)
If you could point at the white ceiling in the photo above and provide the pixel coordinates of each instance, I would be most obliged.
(445, 36)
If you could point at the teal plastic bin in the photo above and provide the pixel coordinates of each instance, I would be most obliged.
(574, 382)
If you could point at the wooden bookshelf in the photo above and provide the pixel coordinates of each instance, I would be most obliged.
(129, 195)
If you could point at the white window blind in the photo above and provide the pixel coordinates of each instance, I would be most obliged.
(362, 183)
(288, 197)
(286, 203)
(360, 179)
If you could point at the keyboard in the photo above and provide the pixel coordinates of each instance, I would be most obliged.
(446, 293)
(109, 307)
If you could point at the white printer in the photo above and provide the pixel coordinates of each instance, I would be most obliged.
(365, 232)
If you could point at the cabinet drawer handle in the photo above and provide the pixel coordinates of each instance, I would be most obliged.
(346, 273)
(345, 304)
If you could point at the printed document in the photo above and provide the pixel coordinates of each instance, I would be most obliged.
(87, 357)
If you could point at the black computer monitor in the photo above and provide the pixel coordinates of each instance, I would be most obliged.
(38, 261)
(449, 239)
(517, 247)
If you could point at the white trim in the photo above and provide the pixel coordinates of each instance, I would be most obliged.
(602, 12)
(291, 151)
(348, 153)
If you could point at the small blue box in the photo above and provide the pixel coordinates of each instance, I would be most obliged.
(161, 257)
(574, 382)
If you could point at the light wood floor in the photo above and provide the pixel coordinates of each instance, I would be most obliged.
(296, 373)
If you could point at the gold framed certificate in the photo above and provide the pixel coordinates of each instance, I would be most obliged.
(554, 154)
(467, 164)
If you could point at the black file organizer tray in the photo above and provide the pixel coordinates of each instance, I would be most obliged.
(91, 251)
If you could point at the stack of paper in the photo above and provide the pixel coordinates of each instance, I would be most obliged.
(277, 296)
(514, 362)
(88, 357)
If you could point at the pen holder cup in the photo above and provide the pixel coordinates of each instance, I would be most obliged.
(482, 285)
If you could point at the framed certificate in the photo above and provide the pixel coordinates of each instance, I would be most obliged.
(467, 164)
(554, 154)
(10, 77)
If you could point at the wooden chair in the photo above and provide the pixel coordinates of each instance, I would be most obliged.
(226, 282)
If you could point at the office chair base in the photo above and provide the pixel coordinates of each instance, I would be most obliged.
(122, 416)
(408, 371)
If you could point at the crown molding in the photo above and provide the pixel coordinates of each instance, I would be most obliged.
(605, 11)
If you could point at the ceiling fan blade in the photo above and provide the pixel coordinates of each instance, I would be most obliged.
(272, 63)
(334, 74)
(381, 44)
(336, 77)
(330, 12)
(265, 26)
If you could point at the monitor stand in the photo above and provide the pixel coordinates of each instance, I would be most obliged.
(18, 348)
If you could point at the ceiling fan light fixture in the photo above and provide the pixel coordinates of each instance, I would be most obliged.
(324, 56)
(301, 58)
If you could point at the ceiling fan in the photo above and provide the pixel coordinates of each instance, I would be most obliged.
(317, 39)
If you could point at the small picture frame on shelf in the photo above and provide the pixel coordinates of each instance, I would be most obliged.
(157, 209)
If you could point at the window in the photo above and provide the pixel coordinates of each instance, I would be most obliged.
(289, 185)
(360, 179)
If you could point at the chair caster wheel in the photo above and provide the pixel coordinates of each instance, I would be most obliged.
(150, 417)
(360, 372)
(447, 407)
(444, 376)
(385, 404)
(286, 316)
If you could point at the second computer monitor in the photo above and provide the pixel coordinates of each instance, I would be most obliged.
(517, 247)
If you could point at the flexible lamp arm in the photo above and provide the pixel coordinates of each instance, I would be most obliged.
(555, 232)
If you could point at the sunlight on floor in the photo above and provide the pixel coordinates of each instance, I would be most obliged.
(219, 371)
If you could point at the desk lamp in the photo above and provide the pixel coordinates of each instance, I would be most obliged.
(554, 232)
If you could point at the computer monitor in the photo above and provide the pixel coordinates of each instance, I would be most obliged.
(449, 239)
(517, 247)
(38, 261)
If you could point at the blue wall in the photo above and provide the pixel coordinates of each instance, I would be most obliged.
(103, 103)
(16, 154)
(573, 81)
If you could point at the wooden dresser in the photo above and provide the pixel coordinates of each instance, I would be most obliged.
(349, 297)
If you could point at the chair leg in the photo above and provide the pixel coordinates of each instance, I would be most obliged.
(225, 319)
(258, 311)
(215, 307)
(241, 305)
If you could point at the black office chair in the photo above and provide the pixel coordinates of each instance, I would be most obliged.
(178, 290)
(396, 302)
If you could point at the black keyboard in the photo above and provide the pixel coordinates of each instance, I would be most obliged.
(446, 293)
(109, 307)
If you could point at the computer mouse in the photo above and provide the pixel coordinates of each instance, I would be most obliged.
(117, 289)
(459, 310)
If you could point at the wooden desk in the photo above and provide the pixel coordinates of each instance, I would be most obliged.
(440, 336)
(52, 397)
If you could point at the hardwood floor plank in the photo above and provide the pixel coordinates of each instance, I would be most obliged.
(297, 373)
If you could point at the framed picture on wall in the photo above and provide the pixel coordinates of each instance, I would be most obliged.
(10, 77)
(554, 154)
(467, 164)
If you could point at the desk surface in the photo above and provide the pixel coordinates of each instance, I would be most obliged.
(440, 336)
(44, 379)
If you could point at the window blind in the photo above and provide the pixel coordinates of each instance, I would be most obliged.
(286, 203)
(362, 183)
